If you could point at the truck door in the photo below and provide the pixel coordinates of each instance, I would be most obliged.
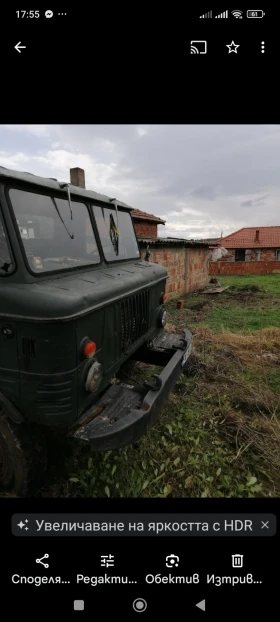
(9, 368)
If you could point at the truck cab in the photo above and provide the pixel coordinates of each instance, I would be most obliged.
(76, 302)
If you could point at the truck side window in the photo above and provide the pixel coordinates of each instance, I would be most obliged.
(6, 261)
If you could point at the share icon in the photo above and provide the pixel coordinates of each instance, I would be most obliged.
(39, 561)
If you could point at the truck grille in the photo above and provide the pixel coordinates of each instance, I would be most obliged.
(134, 318)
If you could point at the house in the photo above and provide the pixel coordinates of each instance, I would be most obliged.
(146, 224)
(252, 244)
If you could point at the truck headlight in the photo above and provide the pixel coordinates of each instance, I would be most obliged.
(94, 377)
(162, 317)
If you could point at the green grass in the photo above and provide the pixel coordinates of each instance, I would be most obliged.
(240, 315)
(242, 319)
(270, 283)
(219, 433)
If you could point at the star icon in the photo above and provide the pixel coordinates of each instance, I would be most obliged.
(232, 47)
(21, 524)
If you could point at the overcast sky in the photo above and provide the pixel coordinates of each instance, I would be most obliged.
(201, 179)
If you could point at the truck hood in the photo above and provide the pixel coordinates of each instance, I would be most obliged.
(74, 295)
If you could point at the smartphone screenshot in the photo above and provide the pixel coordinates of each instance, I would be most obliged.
(139, 313)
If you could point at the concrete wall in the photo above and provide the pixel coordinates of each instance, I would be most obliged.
(187, 267)
(244, 267)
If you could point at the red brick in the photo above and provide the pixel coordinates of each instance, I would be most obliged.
(187, 267)
(244, 267)
(267, 254)
(144, 229)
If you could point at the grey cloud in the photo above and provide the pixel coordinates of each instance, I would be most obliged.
(247, 203)
(204, 192)
(230, 158)
(217, 170)
(261, 199)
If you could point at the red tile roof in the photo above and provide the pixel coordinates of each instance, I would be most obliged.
(269, 237)
(136, 213)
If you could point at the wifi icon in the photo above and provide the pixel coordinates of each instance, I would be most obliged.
(237, 14)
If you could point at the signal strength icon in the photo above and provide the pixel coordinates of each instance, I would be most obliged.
(223, 15)
(209, 15)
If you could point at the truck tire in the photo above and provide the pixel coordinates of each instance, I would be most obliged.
(23, 456)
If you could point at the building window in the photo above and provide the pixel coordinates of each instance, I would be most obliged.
(258, 255)
(278, 254)
(240, 254)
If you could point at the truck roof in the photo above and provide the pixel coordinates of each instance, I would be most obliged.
(55, 185)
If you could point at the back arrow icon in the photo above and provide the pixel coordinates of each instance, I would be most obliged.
(201, 605)
(19, 47)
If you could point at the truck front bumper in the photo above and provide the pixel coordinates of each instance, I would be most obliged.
(125, 412)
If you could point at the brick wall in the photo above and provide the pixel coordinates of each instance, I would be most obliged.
(145, 229)
(230, 256)
(187, 267)
(244, 267)
(267, 254)
(251, 254)
(197, 268)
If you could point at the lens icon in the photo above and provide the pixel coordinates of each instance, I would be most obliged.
(139, 605)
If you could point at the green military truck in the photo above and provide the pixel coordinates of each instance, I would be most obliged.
(76, 302)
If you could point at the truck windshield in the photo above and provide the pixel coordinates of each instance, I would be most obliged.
(53, 240)
(116, 232)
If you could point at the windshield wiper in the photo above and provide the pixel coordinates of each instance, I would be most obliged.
(59, 214)
(65, 185)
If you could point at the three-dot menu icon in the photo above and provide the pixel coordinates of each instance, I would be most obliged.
(263, 47)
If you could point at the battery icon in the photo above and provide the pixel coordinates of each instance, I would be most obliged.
(255, 14)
